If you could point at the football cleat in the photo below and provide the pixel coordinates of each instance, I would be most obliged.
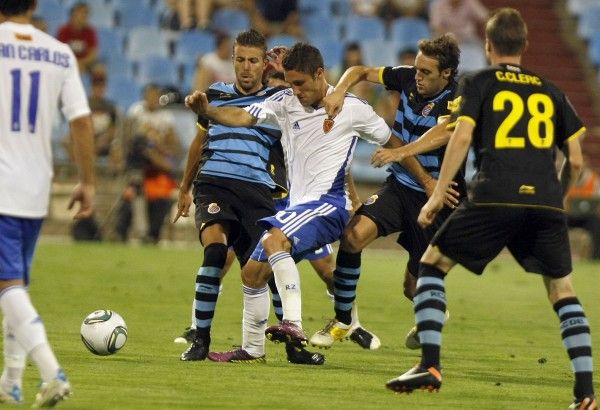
(332, 332)
(412, 337)
(287, 332)
(14, 396)
(364, 338)
(52, 392)
(186, 337)
(198, 350)
(299, 355)
(587, 403)
(416, 378)
(236, 356)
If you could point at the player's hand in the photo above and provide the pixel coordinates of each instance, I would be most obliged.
(275, 56)
(384, 156)
(430, 210)
(183, 205)
(451, 196)
(197, 102)
(333, 103)
(84, 194)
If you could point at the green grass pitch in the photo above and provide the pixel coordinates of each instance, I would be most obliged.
(502, 348)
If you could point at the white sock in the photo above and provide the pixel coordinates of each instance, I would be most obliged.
(14, 360)
(29, 330)
(254, 323)
(287, 279)
(193, 326)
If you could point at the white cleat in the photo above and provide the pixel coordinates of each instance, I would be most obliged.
(332, 332)
(52, 392)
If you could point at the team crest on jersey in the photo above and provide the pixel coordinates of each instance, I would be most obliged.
(328, 124)
(427, 109)
(213, 208)
(371, 199)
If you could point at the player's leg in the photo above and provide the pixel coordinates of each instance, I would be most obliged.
(189, 333)
(255, 275)
(322, 263)
(18, 238)
(360, 232)
(208, 279)
(576, 337)
(14, 364)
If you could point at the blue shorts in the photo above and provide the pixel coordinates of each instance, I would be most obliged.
(308, 226)
(18, 237)
(280, 205)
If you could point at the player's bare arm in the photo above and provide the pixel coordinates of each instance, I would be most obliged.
(184, 199)
(434, 138)
(84, 155)
(229, 116)
(456, 152)
(334, 102)
(572, 165)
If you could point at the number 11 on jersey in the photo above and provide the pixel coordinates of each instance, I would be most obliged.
(16, 100)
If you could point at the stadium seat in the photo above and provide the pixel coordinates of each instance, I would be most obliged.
(231, 21)
(364, 28)
(407, 31)
(579, 7)
(192, 44)
(119, 65)
(315, 7)
(157, 69)
(188, 71)
(110, 41)
(331, 50)
(146, 41)
(123, 91)
(594, 49)
(131, 14)
(378, 53)
(102, 16)
(589, 22)
(282, 40)
(472, 57)
(54, 13)
(320, 26)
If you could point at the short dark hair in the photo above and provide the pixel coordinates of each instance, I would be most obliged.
(15, 7)
(507, 31)
(444, 49)
(77, 6)
(251, 38)
(304, 58)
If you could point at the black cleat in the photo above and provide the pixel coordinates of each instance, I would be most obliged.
(198, 350)
(365, 339)
(299, 355)
(187, 336)
(417, 378)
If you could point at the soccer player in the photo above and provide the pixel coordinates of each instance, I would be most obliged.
(426, 90)
(515, 119)
(318, 153)
(37, 73)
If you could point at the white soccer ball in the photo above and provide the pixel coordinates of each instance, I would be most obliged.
(104, 332)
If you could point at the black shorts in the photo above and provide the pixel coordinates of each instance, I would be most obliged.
(395, 208)
(538, 239)
(238, 202)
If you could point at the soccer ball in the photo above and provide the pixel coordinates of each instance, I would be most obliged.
(103, 332)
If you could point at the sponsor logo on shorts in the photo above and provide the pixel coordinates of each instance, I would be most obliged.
(213, 208)
(371, 199)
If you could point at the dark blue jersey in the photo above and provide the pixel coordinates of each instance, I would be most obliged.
(239, 153)
(414, 117)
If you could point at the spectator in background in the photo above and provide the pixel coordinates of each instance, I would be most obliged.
(153, 155)
(80, 36)
(463, 18)
(170, 18)
(273, 17)
(407, 56)
(197, 13)
(582, 206)
(215, 66)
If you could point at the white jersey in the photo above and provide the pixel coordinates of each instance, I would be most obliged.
(36, 73)
(317, 162)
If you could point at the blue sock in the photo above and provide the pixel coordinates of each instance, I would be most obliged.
(208, 280)
(430, 311)
(345, 279)
(575, 333)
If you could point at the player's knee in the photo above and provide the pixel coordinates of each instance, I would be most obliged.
(275, 241)
(255, 274)
(352, 240)
(215, 255)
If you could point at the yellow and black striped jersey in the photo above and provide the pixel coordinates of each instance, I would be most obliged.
(520, 119)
